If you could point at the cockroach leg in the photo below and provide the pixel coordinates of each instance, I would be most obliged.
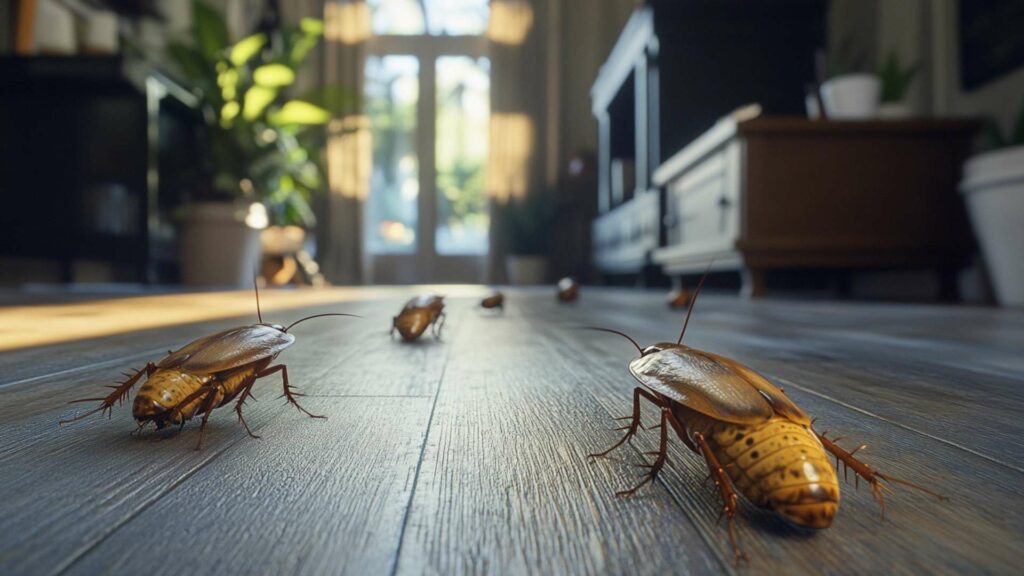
(730, 502)
(659, 462)
(117, 396)
(246, 393)
(869, 474)
(288, 390)
(213, 398)
(635, 424)
(439, 325)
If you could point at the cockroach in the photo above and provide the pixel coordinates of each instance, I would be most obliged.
(678, 298)
(206, 374)
(568, 289)
(755, 440)
(495, 300)
(418, 313)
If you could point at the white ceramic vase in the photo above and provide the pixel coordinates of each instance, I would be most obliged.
(851, 96)
(220, 243)
(993, 185)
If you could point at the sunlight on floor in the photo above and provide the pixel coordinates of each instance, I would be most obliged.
(25, 326)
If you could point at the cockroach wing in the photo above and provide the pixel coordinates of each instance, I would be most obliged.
(701, 382)
(776, 397)
(424, 301)
(228, 349)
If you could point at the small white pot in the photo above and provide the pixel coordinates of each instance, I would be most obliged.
(993, 185)
(525, 270)
(220, 243)
(851, 97)
(811, 105)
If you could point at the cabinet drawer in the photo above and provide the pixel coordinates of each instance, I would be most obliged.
(702, 206)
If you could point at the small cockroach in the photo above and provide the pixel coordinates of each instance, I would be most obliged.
(206, 374)
(568, 289)
(678, 298)
(418, 313)
(754, 439)
(496, 300)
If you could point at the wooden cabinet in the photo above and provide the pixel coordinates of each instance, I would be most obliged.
(759, 193)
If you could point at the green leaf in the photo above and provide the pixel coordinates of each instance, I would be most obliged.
(299, 112)
(312, 26)
(210, 30)
(257, 99)
(338, 100)
(274, 75)
(246, 48)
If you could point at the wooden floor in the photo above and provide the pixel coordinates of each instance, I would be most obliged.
(468, 455)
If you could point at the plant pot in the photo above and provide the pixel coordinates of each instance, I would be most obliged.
(525, 270)
(894, 111)
(220, 243)
(993, 185)
(851, 97)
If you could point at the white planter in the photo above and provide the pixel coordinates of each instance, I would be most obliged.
(993, 186)
(525, 270)
(220, 244)
(851, 97)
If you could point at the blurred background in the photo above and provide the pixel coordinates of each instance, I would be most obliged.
(837, 149)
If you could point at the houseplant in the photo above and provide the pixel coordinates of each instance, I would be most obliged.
(850, 93)
(993, 186)
(261, 154)
(896, 81)
(528, 230)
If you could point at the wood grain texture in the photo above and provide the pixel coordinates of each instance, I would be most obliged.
(505, 486)
(468, 454)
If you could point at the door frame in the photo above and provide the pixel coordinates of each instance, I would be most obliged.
(425, 265)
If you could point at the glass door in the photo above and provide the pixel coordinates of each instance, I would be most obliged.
(427, 95)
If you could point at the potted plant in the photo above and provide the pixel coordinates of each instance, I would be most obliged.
(850, 93)
(528, 226)
(261, 155)
(896, 81)
(993, 185)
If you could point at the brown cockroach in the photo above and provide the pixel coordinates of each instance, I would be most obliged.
(496, 300)
(206, 374)
(568, 289)
(678, 298)
(418, 313)
(754, 439)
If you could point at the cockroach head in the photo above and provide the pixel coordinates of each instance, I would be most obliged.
(277, 327)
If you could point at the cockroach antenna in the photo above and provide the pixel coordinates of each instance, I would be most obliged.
(256, 287)
(318, 316)
(693, 301)
(610, 331)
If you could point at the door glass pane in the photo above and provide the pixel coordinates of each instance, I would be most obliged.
(434, 17)
(463, 110)
(391, 92)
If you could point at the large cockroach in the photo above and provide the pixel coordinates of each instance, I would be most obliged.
(417, 314)
(754, 439)
(678, 298)
(496, 300)
(206, 374)
(568, 289)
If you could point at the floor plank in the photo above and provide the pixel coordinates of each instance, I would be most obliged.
(284, 504)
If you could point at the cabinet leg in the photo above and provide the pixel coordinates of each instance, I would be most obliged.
(754, 283)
